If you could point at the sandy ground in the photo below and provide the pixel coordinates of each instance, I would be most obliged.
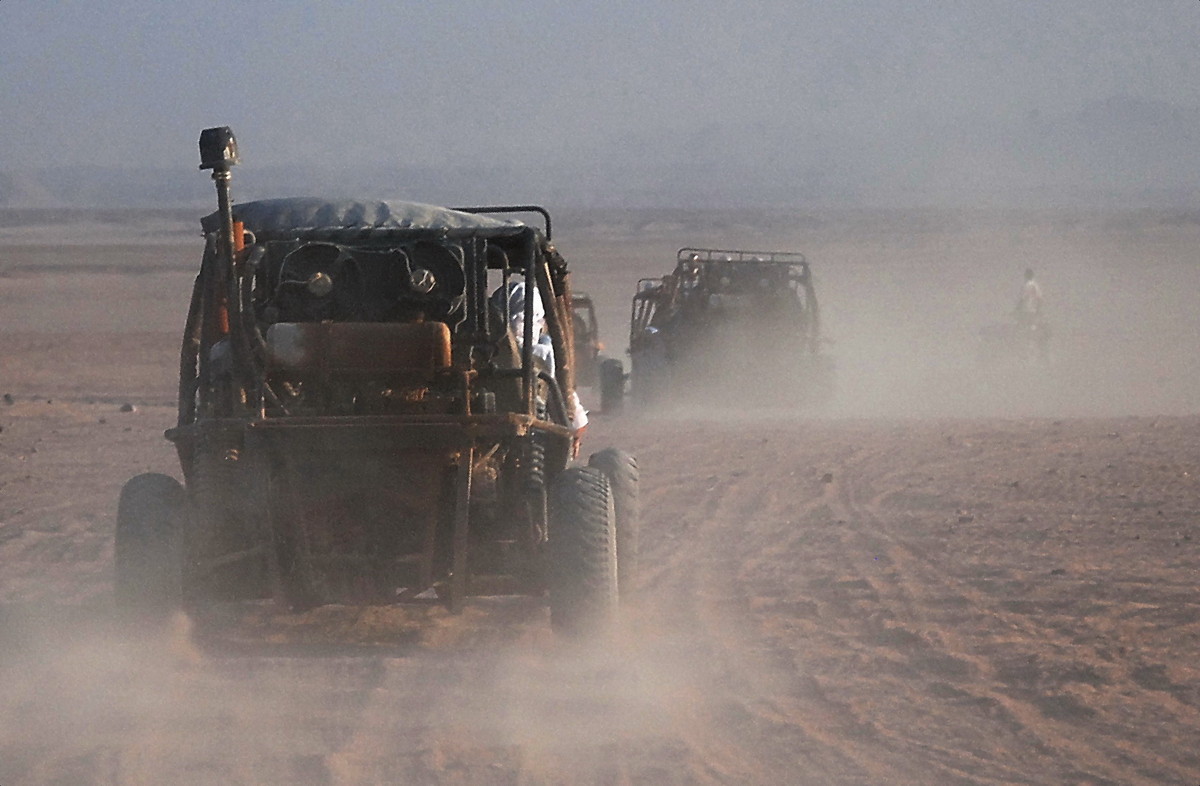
(954, 575)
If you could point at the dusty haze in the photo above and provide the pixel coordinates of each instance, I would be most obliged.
(954, 574)
(882, 102)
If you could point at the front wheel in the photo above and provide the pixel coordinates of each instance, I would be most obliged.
(621, 469)
(148, 560)
(582, 549)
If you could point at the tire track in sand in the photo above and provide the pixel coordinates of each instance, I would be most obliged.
(753, 718)
(975, 663)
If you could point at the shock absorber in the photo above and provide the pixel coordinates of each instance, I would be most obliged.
(535, 466)
(535, 487)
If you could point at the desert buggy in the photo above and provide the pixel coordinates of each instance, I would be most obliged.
(593, 369)
(359, 423)
(728, 326)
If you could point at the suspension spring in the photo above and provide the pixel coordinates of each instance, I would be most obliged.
(535, 471)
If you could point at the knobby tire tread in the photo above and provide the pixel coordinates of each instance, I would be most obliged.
(583, 587)
(621, 468)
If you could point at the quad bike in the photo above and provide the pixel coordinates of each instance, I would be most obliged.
(727, 327)
(1020, 340)
(358, 423)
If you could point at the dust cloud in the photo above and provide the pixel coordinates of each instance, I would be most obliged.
(956, 572)
(1119, 306)
(320, 699)
(906, 296)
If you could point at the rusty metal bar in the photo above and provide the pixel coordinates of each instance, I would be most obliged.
(741, 255)
(545, 214)
(462, 521)
(527, 371)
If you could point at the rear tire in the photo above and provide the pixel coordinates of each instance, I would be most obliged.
(218, 523)
(621, 469)
(149, 565)
(612, 386)
(582, 575)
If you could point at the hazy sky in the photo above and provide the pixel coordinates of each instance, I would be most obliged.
(133, 81)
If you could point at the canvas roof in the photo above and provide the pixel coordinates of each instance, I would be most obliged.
(307, 215)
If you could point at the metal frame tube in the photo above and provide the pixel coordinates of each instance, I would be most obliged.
(462, 530)
(527, 370)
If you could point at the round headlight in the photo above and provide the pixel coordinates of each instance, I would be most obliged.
(319, 284)
(421, 280)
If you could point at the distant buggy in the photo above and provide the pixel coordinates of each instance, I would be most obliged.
(593, 369)
(729, 327)
(360, 424)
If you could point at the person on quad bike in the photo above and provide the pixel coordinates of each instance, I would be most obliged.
(1029, 306)
(1030, 320)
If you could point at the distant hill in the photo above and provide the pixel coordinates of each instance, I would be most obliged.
(1122, 151)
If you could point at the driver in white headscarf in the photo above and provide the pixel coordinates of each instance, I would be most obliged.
(543, 347)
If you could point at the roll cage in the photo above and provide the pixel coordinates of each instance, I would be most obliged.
(717, 271)
(237, 295)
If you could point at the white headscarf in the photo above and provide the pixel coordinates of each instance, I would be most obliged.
(516, 311)
(542, 346)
